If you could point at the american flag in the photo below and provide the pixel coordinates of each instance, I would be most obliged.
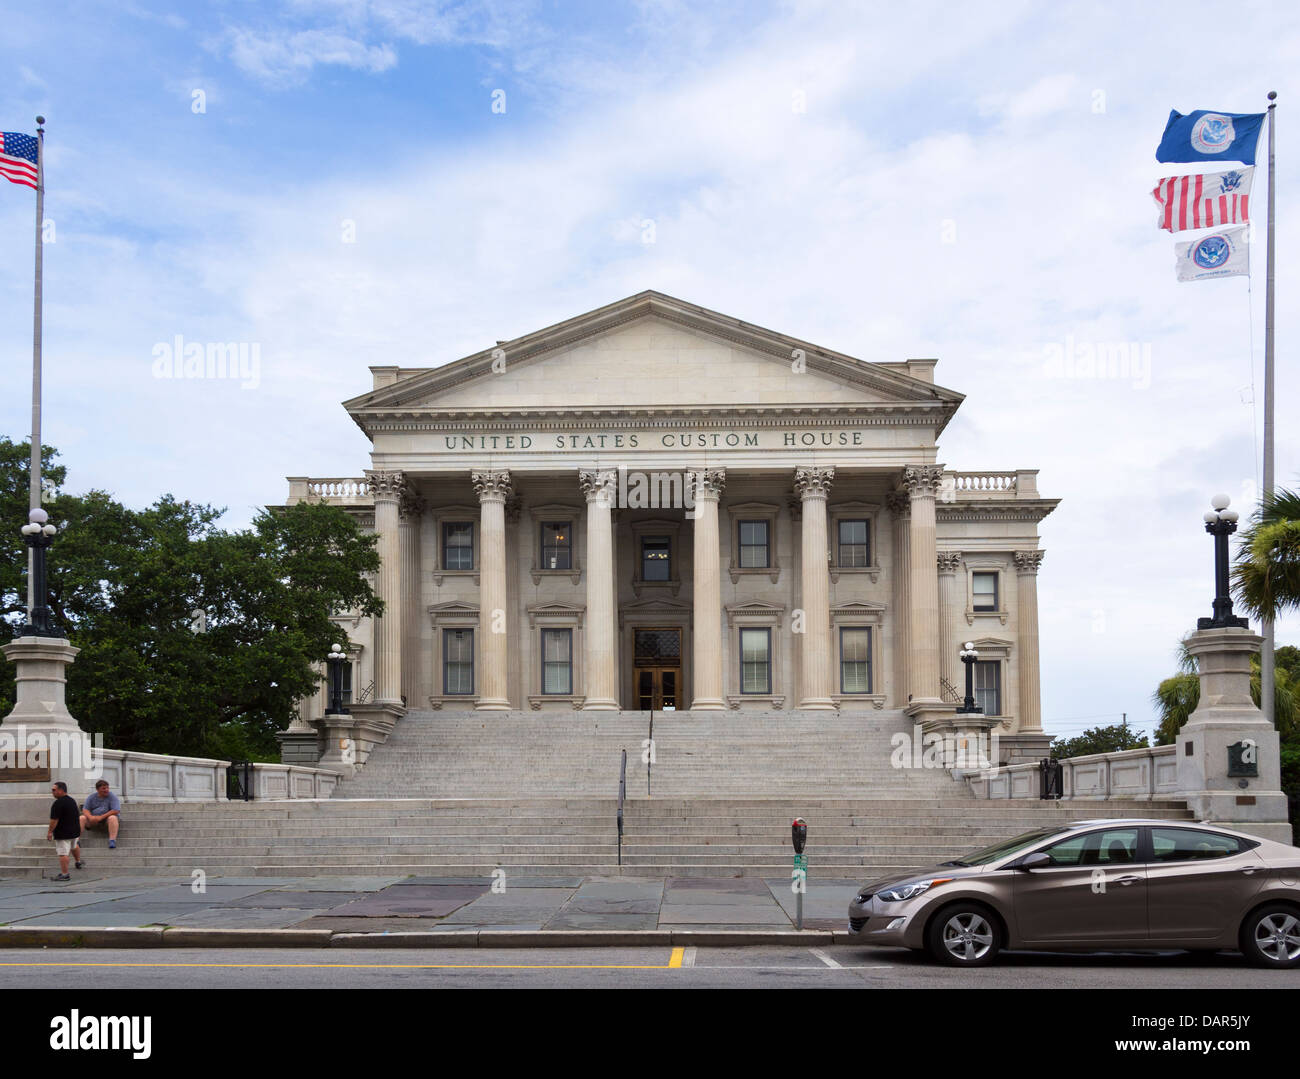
(1203, 201)
(18, 158)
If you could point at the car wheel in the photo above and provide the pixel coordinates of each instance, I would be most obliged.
(1270, 937)
(964, 935)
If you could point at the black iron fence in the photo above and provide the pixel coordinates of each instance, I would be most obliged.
(239, 781)
(1051, 776)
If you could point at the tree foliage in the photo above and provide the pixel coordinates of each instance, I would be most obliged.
(125, 585)
(1266, 573)
(1100, 740)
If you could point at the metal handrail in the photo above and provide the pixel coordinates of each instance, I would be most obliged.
(650, 752)
(622, 797)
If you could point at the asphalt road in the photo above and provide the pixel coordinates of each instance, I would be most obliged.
(606, 968)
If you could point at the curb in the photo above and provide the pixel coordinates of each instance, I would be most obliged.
(181, 937)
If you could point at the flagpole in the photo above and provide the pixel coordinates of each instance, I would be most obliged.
(34, 494)
(1266, 671)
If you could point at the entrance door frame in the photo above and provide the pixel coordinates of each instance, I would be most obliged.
(658, 669)
(661, 614)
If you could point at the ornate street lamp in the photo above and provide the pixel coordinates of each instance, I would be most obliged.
(1221, 523)
(38, 534)
(968, 656)
(336, 659)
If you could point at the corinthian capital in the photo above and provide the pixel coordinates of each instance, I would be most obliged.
(898, 503)
(949, 561)
(491, 484)
(707, 483)
(813, 482)
(412, 505)
(597, 483)
(386, 485)
(1028, 561)
(922, 480)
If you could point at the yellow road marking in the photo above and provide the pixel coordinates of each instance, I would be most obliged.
(676, 960)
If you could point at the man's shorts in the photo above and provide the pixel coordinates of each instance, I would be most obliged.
(63, 847)
(87, 824)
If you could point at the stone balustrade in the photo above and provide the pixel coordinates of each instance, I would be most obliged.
(1133, 774)
(1021, 483)
(157, 777)
(337, 490)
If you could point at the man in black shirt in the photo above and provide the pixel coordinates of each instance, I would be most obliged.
(65, 828)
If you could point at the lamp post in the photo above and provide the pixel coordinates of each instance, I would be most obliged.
(38, 534)
(336, 659)
(969, 655)
(1221, 523)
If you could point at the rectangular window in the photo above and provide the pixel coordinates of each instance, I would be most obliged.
(755, 661)
(557, 545)
(988, 686)
(347, 683)
(458, 545)
(656, 558)
(458, 661)
(855, 547)
(985, 589)
(753, 545)
(557, 661)
(855, 659)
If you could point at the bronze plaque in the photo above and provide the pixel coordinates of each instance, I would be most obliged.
(39, 774)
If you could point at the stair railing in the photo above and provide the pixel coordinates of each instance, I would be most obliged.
(622, 797)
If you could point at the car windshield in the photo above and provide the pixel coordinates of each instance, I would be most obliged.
(1006, 848)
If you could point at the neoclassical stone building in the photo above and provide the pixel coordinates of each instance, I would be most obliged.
(656, 505)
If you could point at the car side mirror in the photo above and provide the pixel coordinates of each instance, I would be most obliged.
(1037, 860)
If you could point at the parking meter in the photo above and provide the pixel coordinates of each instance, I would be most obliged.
(799, 834)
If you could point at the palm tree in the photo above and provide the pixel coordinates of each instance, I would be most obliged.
(1267, 571)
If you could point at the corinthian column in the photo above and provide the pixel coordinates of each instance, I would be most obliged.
(900, 510)
(815, 680)
(411, 511)
(707, 598)
(949, 605)
(922, 482)
(600, 648)
(493, 488)
(387, 488)
(1031, 707)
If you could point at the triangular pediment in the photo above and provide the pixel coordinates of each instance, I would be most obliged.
(650, 351)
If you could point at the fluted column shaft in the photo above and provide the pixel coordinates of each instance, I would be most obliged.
(492, 487)
(600, 647)
(707, 591)
(922, 484)
(950, 604)
(411, 509)
(815, 659)
(900, 508)
(1031, 706)
(387, 488)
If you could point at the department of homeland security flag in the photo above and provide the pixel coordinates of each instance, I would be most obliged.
(1220, 254)
(1204, 201)
(18, 158)
(1210, 136)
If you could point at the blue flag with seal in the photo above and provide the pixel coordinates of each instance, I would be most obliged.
(1210, 136)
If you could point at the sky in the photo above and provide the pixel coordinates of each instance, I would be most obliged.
(347, 183)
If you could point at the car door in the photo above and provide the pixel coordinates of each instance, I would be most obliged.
(1093, 892)
(1198, 881)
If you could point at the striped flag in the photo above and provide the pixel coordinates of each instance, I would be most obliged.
(18, 158)
(1205, 200)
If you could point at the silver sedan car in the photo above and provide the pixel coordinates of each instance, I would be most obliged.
(1094, 885)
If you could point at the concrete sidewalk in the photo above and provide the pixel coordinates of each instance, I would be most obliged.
(560, 908)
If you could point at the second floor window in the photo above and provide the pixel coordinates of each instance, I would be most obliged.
(557, 545)
(753, 545)
(855, 548)
(656, 558)
(458, 545)
(984, 587)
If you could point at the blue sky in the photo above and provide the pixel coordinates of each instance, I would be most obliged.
(968, 182)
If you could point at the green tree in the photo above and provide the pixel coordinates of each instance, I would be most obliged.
(1100, 740)
(1176, 697)
(124, 586)
(1266, 573)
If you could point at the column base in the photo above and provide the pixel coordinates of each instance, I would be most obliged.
(813, 704)
(602, 704)
(708, 704)
(492, 704)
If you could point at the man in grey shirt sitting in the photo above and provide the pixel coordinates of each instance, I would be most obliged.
(102, 809)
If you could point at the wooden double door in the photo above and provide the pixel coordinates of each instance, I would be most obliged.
(657, 668)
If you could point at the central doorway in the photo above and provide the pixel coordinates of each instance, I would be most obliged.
(657, 659)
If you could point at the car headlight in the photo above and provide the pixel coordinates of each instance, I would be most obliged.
(911, 890)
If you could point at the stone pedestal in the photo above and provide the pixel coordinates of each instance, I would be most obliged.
(338, 739)
(1227, 716)
(299, 744)
(40, 741)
